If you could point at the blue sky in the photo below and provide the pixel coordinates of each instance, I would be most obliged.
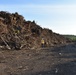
(58, 15)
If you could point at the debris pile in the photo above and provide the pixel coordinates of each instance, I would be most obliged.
(17, 33)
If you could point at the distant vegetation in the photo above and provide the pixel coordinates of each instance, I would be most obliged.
(72, 37)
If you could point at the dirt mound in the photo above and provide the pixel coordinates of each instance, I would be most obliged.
(17, 33)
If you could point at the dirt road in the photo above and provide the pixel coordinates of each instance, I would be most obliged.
(59, 60)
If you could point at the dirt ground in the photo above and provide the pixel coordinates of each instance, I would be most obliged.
(58, 60)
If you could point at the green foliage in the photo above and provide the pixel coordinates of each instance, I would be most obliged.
(72, 37)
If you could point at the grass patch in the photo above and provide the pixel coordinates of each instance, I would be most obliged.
(71, 37)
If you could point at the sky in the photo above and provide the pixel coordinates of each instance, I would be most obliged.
(57, 15)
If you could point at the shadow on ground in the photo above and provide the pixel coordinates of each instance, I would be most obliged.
(68, 68)
(58, 60)
(67, 57)
(66, 51)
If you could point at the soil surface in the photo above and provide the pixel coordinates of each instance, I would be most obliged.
(58, 60)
